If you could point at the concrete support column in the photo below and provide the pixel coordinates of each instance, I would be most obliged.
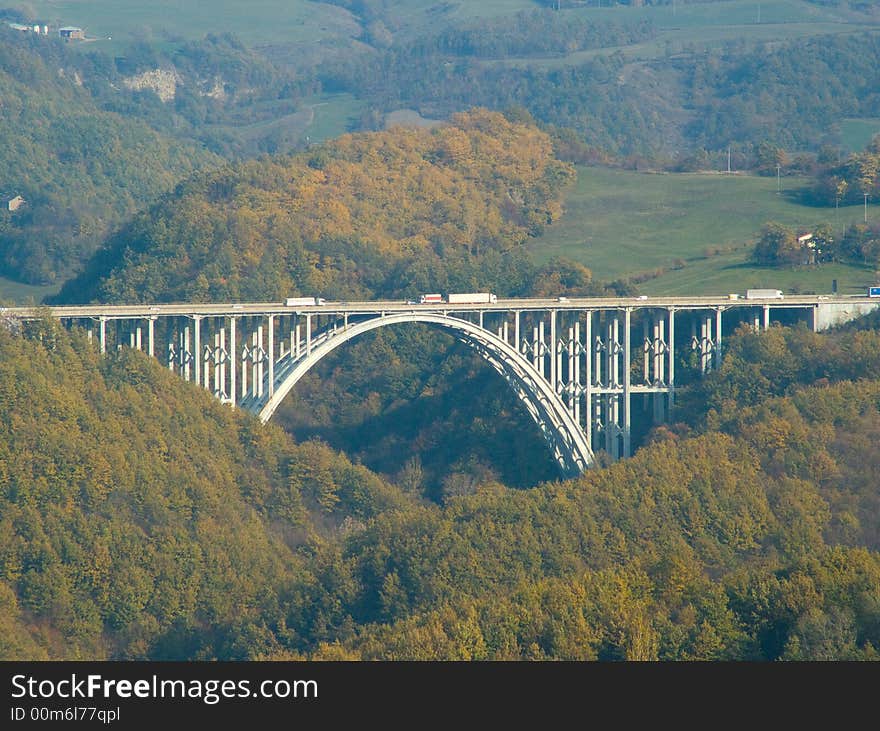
(245, 355)
(588, 377)
(627, 360)
(212, 358)
(151, 337)
(615, 351)
(197, 347)
(671, 351)
(308, 334)
(705, 334)
(658, 381)
(554, 347)
(661, 349)
(233, 362)
(185, 353)
(102, 334)
(536, 349)
(296, 340)
(270, 323)
(209, 358)
(571, 382)
(172, 355)
(655, 353)
(542, 350)
(612, 416)
(576, 378)
(221, 366)
(716, 351)
(516, 316)
(254, 357)
(259, 355)
(766, 317)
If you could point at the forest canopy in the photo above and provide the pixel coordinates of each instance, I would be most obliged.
(390, 213)
(750, 534)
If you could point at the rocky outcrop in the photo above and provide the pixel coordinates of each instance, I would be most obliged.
(163, 81)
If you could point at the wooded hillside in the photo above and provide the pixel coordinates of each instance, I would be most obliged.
(753, 537)
(385, 214)
(81, 170)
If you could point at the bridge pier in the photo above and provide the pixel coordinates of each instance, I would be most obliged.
(670, 385)
(270, 324)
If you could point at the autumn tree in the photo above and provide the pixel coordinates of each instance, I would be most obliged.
(777, 246)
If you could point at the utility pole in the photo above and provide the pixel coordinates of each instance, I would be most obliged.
(728, 160)
(866, 207)
(778, 183)
(837, 214)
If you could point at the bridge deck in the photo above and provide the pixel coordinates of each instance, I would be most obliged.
(502, 305)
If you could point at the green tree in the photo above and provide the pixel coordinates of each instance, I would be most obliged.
(777, 246)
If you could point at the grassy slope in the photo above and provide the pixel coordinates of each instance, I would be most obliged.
(857, 133)
(319, 118)
(620, 222)
(712, 24)
(24, 294)
(255, 22)
(296, 21)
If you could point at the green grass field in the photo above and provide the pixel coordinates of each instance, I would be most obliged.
(15, 293)
(318, 118)
(711, 25)
(855, 134)
(698, 227)
(256, 22)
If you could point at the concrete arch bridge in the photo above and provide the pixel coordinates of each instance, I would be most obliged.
(574, 364)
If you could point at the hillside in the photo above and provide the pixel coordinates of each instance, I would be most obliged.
(693, 233)
(385, 214)
(139, 518)
(750, 535)
(82, 171)
(649, 84)
(119, 537)
(390, 214)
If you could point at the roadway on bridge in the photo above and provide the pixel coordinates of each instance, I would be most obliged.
(231, 309)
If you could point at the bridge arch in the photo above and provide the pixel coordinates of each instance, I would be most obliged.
(560, 429)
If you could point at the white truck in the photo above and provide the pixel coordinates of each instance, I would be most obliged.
(472, 298)
(764, 294)
(304, 301)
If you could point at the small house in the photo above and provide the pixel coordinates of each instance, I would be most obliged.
(12, 203)
(71, 33)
